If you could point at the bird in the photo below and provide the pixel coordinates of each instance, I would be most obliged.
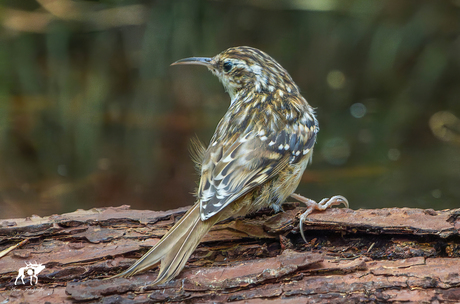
(255, 159)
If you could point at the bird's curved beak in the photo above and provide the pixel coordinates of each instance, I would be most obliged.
(194, 60)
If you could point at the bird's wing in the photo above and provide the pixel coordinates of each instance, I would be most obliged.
(229, 172)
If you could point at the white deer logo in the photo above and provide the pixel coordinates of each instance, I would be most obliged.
(31, 270)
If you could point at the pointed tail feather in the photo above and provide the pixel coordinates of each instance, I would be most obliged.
(174, 249)
(173, 263)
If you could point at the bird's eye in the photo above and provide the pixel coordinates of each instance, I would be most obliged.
(227, 66)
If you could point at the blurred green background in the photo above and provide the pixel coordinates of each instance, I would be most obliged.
(92, 114)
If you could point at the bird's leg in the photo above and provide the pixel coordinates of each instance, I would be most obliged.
(321, 206)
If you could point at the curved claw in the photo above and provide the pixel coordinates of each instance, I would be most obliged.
(335, 200)
(302, 219)
(344, 201)
(301, 230)
(324, 204)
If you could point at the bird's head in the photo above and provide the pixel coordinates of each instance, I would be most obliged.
(246, 69)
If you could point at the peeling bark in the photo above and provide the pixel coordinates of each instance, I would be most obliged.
(385, 255)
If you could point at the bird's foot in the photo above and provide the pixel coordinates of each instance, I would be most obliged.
(324, 204)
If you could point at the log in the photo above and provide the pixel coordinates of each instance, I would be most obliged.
(384, 255)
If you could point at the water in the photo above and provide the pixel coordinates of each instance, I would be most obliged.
(91, 113)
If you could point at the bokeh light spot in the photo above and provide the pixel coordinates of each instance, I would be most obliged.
(436, 193)
(358, 110)
(394, 154)
(336, 79)
(336, 151)
(62, 170)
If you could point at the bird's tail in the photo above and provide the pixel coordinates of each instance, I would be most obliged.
(174, 249)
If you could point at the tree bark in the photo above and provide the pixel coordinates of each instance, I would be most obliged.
(385, 255)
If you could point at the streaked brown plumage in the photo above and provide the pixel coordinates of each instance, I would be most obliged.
(255, 159)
